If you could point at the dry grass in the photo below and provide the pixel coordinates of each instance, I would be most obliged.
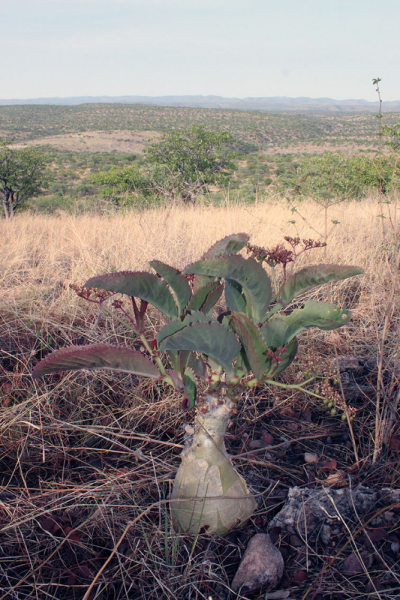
(82, 456)
(125, 141)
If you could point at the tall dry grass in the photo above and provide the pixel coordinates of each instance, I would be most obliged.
(38, 253)
(41, 255)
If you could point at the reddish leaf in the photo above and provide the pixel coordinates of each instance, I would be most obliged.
(257, 444)
(306, 415)
(84, 572)
(57, 529)
(395, 443)
(376, 535)
(267, 438)
(328, 465)
(71, 580)
(274, 534)
(287, 412)
(292, 426)
(353, 566)
(47, 524)
(300, 577)
(373, 585)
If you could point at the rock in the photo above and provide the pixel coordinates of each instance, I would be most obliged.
(261, 565)
(307, 511)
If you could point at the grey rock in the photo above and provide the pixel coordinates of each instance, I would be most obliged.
(307, 512)
(262, 565)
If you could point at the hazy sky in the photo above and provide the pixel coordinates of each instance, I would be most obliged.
(330, 48)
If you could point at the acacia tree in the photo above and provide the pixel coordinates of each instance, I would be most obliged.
(186, 162)
(23, 175)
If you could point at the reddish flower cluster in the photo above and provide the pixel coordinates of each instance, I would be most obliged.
(307, 244)
(91, 294)
(280, 254)
(190, 278)
(277, 356)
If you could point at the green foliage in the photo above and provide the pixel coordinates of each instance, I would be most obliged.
(332, 176)
(121, 185)
(23, 175)
(313, 276)
(185, 163)
(392, 132)
(236, 342)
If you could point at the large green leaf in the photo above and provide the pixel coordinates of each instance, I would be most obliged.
(199, 298)
(174, 326)
(248, 273)
(274, 333)
(231, 244)
(96, 356)
(211, 339)
(234, 297)
(313, 276)
(252, 341)
(145, 286)
(176, 281)
(314, 314)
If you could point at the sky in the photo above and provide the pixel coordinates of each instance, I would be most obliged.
(231, 48)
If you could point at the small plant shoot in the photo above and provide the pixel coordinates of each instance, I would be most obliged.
(210, 357)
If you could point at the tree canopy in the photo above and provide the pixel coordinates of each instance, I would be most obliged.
(185, 162)
(23, 175)
(121, 185)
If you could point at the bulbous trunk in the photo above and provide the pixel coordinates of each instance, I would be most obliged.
(211, 497)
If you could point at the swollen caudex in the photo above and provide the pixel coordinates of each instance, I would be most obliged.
(208, 494)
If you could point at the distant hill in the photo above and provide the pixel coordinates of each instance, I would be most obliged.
(278, 103)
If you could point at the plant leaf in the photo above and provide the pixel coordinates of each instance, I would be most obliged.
(314, 314)
(211, 339)
(313, 276)
(178, 324)
(145, 286)
(234, 297)
(252, 341)
(274, 333)
(176, 281)
(199, 298)
(190, 384)
(197, 365)
(231, 244)
(184, 356)
(174, 360)
(96, 356)
(212, 299)
(245, 271)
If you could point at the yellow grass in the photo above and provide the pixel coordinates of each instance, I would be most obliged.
(42, 255)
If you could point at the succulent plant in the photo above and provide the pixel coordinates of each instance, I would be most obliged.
(253, 340)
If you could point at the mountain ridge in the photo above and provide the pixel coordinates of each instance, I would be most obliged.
(272, 103)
